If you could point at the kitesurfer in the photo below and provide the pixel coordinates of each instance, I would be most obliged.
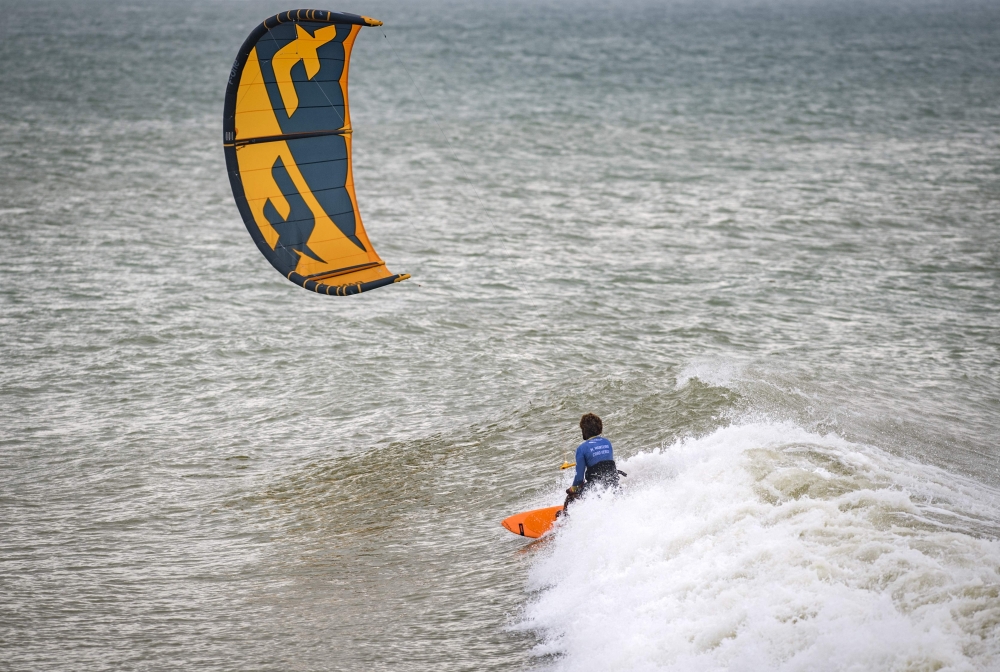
(595, 462)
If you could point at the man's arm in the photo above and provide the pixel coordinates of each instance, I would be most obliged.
(581, 465)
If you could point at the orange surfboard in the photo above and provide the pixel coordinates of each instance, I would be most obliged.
(532, 524)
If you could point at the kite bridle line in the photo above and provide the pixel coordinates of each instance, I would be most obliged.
(451, 154)
(441, 134)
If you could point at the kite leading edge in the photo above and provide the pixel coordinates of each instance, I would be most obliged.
(287, 137)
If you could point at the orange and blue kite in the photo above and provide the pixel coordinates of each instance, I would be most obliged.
(287, 137)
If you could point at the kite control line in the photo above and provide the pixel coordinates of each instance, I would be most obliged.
(448, 146)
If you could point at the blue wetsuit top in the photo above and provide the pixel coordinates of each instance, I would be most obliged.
(589, 453)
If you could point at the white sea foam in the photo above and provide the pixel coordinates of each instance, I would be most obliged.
(766, 547)
(712, 371)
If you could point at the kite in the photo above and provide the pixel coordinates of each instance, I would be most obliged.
(287, 137)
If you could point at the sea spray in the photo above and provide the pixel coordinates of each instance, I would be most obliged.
(763, 546)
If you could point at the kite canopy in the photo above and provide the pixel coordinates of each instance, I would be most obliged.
(287, 136)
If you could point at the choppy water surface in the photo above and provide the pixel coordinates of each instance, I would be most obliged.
(761, 240)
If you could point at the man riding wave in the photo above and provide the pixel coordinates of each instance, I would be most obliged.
(595, 461)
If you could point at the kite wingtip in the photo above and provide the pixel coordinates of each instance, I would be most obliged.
(371, 22)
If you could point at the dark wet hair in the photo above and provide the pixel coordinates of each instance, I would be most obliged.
(591, 426)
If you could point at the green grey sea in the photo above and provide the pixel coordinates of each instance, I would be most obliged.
(760, 239)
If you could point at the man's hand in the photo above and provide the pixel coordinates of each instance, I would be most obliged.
(573, 490)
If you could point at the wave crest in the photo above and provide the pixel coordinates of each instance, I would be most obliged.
(763, 546)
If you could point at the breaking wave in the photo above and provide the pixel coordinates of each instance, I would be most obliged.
(763, 546)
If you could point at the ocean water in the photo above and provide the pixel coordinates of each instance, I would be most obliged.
(760, 239)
